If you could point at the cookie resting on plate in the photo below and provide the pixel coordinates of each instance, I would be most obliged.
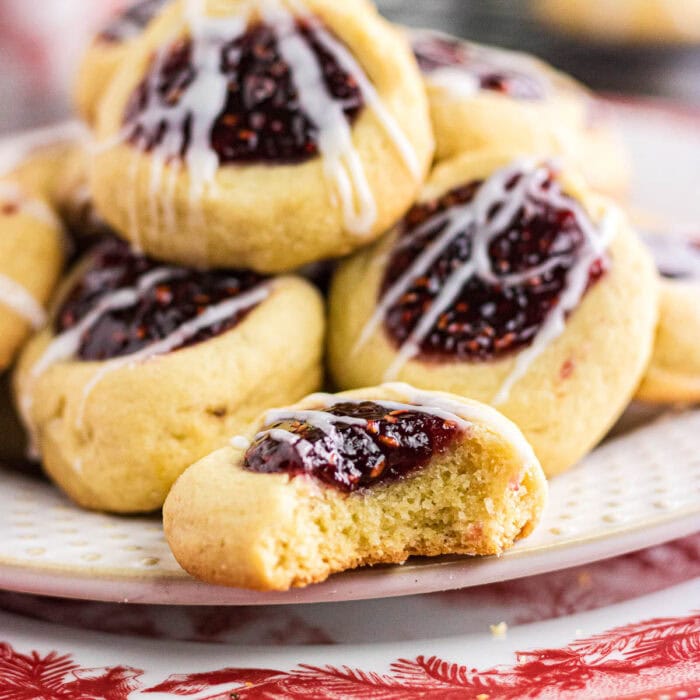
(147, 367)
(346, 480)
(511, 283)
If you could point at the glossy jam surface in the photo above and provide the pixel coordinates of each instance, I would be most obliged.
(161, 310)
(263, 120)
(131, 21)
(486, 321)
(385, 445)
(489, 67)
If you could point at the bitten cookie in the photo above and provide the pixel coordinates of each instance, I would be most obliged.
(267, 135)
(511, 283)
(31, 256)
(146, 367)
(347, 480)
(624, 21)
(106, 52)
(674, 373)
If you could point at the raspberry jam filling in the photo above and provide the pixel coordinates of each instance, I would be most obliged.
(176, 297)
(676, 257)
(490, 69)
(352, 446)
(492, 301)
(262, 119)
(131, 21)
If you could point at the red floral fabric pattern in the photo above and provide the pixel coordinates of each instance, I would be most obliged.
(652, 659)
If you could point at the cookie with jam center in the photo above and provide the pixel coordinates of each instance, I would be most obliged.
(146, 367)
(509, 282)
(354, 479)
(261, 134)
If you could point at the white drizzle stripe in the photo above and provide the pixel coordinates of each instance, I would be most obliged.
(341, 161)
(350, 65)
(495, 193)
(464, 415)
(11, 193)
(462, 81)
(66, 344)
(319, 419)
(424, 403)
(208, 318)
(477, 215)
(16, 297)
(205, 98)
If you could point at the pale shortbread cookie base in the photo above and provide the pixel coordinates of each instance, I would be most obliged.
(31, 254)
(489, 119)
(673, 375)
(270, 218)
(95, 73)
(227, 525)
(574, 391)
(557, 125)
(143, 425)
(625, 21)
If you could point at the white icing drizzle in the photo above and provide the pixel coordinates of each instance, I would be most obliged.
(350, 65)
(319, 419)
(66, 344)
(240, 443)
(676, 254)
(188, 330)
(495, 195)
(205, 98)
(463, 81)
(12, 194)
(438, 405)
(16, 297)
(341, 161)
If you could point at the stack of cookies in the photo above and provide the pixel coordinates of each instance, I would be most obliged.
(279, 196)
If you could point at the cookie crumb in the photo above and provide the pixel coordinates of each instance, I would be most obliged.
(240, 443)
(499, 631)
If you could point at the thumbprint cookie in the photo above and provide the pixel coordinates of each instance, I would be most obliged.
(486, 97)
(146, 367)
(31, 256)
(265, 135)
(511, 283)
(354, 479)
(674, 373)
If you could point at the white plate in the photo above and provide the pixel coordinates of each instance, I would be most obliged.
(639, 490)
(644, 648)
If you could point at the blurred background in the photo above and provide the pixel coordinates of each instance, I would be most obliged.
(41, 42)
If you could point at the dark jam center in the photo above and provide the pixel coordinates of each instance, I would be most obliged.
(160, 310)
(263, 119)
(392, 444)
(131, 21)
(486, 321)
(434, 52)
